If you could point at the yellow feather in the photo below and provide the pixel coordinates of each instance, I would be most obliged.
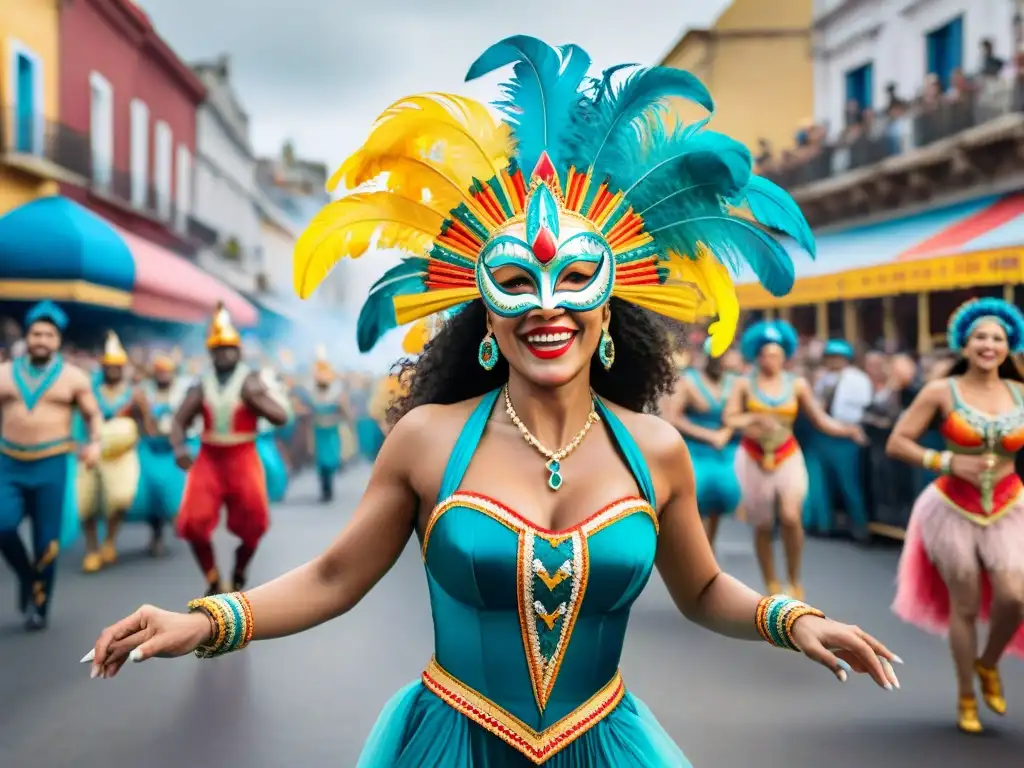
(417, 337)
(678, 302)
(409, 307)
(347, 227)
(718, 293)
(457, 137)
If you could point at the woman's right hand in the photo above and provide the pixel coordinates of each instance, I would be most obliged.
(969, 468)
(147, 633)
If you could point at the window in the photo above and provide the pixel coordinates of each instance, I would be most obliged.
(140, 152)
(945, 50)
(101, 131)
(26, 87)
(162, 171)
(183, 190)
(860, 85)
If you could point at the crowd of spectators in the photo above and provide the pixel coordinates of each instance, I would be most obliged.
(869, 135)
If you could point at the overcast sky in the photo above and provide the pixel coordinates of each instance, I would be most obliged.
(319, 71)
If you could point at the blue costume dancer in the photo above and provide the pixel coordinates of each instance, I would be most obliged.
(163, 481)
(837, 474)
(38, 394)
(328, 414)
(530, 613)
(700, 403)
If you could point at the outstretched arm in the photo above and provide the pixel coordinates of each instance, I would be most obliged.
(717, 601)
(311, 594)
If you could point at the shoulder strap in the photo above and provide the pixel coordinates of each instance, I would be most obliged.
(465, 446)
(955, 392)
(698, 382)
(630, 452)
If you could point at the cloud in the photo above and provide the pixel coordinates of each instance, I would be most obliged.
(319, 71)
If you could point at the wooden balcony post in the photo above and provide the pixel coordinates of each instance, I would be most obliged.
(821, 320)
(924, 323)
(851, 325)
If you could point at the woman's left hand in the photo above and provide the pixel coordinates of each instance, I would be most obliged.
(845, 649)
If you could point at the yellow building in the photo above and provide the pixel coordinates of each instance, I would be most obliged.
(29, 97)
(756, 61)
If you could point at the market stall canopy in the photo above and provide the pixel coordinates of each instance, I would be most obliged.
(975, 243)
(168, 287)
(53, 248)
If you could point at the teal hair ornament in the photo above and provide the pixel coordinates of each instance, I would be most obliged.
(47, 311)
(766, 332)
(965, 320)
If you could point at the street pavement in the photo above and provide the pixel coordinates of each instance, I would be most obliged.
(310, 700)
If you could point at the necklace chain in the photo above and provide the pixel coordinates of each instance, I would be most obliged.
(554, 463)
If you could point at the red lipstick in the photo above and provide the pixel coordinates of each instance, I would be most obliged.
(549, 342)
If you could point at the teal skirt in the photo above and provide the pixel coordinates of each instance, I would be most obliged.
(718, 489)
(418, 730)
(370, 438)
(274, 469)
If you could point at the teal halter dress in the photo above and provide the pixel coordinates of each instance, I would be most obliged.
(718, 490)
(528, 632)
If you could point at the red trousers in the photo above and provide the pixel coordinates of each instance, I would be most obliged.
(228, 476)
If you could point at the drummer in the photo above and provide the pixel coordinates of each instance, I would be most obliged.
(109, 489)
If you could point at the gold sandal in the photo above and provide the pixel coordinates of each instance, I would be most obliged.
(991, 688)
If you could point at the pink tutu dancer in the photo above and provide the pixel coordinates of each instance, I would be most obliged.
(963, 558)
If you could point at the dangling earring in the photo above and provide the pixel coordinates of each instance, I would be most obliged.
(488, 353)
(606, 350)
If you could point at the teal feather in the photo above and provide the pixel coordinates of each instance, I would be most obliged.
(377, 316)
(773, 207)
(604, 134)
(540, 98)
(734, 242)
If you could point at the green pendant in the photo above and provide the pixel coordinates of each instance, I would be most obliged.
(555, 478)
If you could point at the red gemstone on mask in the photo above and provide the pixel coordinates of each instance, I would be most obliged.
(544, 246)
(545, 169)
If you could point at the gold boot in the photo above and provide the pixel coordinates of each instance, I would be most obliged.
(967, 715)
(795, 591)
(991, 688)
(108, 551)
(92, 562)
(773, 587)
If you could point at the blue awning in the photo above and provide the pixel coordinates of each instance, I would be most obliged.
(54, 248)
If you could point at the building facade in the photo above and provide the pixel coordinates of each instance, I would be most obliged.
(861, 48)
(226, 193)
(123, 87)
(756, 61)
(916, 190)
(297, 188)
(30, 130)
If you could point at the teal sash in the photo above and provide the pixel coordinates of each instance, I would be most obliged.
(32, 382)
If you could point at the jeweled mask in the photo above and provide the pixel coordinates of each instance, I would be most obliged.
(548, 258)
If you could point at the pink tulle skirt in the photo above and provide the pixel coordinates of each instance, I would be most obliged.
(761, 489)
(940, 539)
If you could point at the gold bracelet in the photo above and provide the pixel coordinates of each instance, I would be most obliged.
(930, 460)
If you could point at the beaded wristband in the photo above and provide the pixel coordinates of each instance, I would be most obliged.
(946, 462)
(232, 615)
(775, 617)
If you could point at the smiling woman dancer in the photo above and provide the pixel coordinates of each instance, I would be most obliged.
(770, 466)
(964, 552)
(530, 594)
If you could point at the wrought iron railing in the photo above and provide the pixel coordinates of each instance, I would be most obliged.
(28, 133)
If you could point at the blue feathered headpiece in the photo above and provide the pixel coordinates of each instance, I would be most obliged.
(677, 204)
(970, 314)
(838, 348)
(768, 332)
(48, 312)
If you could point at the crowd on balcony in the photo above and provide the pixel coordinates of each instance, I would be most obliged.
(869, 136)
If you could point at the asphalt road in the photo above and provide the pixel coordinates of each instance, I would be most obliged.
(310, 700)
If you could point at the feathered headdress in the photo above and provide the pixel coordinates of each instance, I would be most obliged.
(676, 206)
(113, 352)
(222, 331)
(971, 313)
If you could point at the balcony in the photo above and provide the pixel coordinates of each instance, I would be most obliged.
(43, 148)
(932, 150)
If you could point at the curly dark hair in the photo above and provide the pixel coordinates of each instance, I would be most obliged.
(448, 372)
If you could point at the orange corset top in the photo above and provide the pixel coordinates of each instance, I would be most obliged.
(968, 430)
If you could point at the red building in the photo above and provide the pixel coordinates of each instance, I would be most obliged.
(123, 87)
